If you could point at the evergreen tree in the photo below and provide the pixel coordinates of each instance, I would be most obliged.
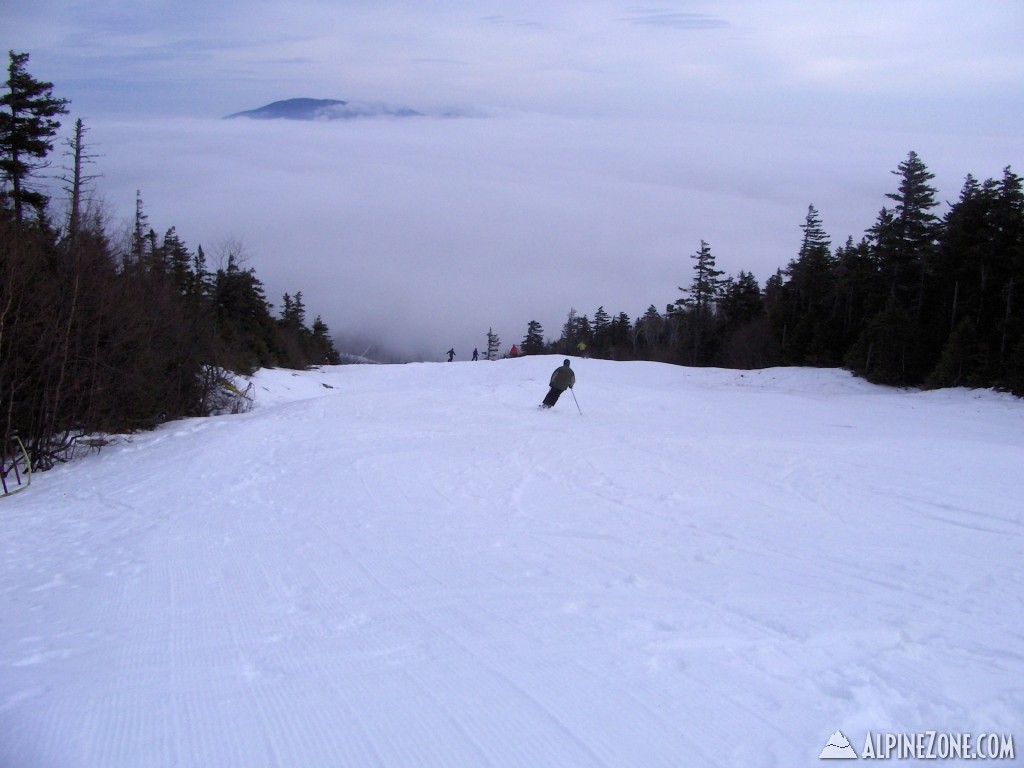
(570, 338)
(323, 349)
(1014, 375)
(199, 291)
(178, 261)
(809, 300)
(493, 345)
(28, 123)
(706, 287)
(882, 352)
(860, 288)
(533, 343)
(958, 358)
(905, 249)
(651, 328)
(600, 333)
(903, 243)
(698, 305)
(745, 338)
(621, 339)
(1008, 224)
(975, 280)
(93, 340)
(577, 330)
(773, 294)
(293, 311)
(245, 328)
(810, 274)
(741, 301)
(962, 267)
(584, 334)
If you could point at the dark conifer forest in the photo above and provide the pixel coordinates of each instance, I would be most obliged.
(106, 332)
(927, 298)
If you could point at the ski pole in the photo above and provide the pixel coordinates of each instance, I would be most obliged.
(576, 401)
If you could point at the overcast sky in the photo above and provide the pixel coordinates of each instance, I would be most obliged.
(599, 142)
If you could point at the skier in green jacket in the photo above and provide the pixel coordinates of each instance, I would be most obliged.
(562, 379)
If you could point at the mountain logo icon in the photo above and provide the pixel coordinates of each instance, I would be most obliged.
(838, 748)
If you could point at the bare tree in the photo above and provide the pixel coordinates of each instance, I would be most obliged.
(77, 180)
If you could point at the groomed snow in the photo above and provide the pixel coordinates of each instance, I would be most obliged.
(414, 566)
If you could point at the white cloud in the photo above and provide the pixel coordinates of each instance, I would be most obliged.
(620, 136)
(433, 230)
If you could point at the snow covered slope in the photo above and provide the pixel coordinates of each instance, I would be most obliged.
(414, 566)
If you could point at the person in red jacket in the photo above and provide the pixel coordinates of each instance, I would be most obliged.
(514, 352)
(562, 379)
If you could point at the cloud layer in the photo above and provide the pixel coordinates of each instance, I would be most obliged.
(430, 231)
(610, 139)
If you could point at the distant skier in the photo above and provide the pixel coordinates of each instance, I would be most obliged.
(514, 351)
(451, 354)
(562, 379)
(476, 355)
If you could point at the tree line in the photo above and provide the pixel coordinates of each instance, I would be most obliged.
(107, 332)
(922, 300)
(102, 332)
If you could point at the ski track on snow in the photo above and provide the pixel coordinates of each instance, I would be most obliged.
(413, 566)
